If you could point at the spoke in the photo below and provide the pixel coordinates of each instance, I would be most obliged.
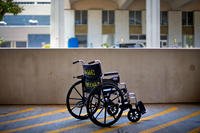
(95, 97)
(74, 107)
(93, 105)
(80, 111)
(99, 99)
(105, 115)
(78, 92)
(113, 116)
(115, 98)
(99, 113)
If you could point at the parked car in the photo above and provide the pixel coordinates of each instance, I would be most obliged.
(131, 45)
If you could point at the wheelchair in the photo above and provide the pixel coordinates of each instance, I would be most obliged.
(101, 97)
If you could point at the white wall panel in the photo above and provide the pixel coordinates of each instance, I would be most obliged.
(153, 23)
(57, 24)
(69, 25)
(121, 26)
(197, 29)
(94, 28)
(143, 22)
(175, 27)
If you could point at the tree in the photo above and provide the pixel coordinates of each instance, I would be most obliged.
(8, 6)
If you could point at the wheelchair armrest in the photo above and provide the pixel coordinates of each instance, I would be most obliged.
(110, 73)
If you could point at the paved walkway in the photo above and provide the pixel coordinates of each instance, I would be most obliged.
(160, 118)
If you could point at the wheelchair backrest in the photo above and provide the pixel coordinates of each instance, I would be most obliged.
(92, 75)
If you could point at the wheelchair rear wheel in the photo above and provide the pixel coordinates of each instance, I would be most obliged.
(76, 101)
(104, 104)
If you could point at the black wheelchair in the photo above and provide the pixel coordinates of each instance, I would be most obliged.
(101, 97)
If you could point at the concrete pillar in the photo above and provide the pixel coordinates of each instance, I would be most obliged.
(13, 44)
(121, 26)
(57, 23)
(94, 28)
(197, 29)
(153, 23)
(69, 16)
(174, 28)
(143, 22)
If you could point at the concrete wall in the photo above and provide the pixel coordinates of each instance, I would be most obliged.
(141, 5)
(94, 4)
(43, 76)
(191, 6)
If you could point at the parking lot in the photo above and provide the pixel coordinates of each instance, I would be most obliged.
(167, 118)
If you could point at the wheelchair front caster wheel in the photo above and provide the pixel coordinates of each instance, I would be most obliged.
(134, 115)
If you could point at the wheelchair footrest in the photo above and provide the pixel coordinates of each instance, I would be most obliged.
(140, 107)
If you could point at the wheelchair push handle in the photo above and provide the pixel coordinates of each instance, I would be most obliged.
(91, 62)
(77, 61)
(94, 61)
(74, 62)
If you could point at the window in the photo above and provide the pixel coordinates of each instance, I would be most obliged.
(163, 41)
(135, 18)
(82, 40)
(27, 19)
(134, 37)
(24, 3)
(137, 37)
(163, 37)
(188, 41)
(80, 17)
(6, 44)
(38, 40)
(108, 17)
(187, 18)
(142, 37)
(43, 2)
(21, 44)
(164, 18)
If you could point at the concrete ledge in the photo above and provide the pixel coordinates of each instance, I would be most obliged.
(43, 76)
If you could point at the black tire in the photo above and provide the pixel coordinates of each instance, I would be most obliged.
(99, 102)
(76, 101)
(133, 115)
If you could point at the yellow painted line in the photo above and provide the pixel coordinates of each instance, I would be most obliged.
(79, 125)
(196, 130)
(33, 117)
(103, 130)
(17, 112)
(159, 127)
(37, 125)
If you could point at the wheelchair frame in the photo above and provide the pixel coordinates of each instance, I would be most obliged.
(97, 94)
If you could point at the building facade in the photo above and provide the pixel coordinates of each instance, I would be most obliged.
(117, 23)
(29, 29)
